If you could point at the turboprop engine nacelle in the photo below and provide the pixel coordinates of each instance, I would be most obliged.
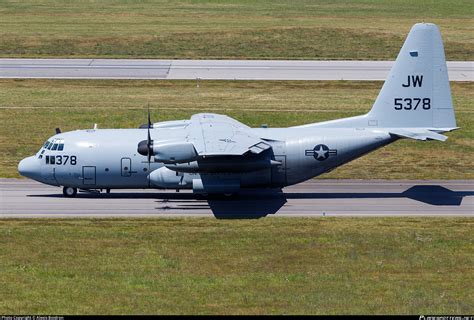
(174, 152)
(168, 179)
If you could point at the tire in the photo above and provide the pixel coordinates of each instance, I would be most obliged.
(69, 192)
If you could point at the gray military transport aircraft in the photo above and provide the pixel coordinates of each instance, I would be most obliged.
(215, 154)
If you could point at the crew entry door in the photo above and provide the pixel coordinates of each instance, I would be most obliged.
(88, 175)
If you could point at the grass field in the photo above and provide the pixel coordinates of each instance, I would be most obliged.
(328, 29)
(206, 266)
(31, 109)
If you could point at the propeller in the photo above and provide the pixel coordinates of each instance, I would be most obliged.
(145, 147)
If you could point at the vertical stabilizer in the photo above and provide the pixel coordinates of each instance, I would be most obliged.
(416, 93)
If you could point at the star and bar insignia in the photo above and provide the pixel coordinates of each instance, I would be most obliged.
(321, 152)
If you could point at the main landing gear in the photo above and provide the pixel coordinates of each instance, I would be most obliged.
(69, 192)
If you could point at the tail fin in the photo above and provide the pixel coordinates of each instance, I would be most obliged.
(416, 93)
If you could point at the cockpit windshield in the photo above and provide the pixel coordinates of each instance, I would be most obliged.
(56, 144)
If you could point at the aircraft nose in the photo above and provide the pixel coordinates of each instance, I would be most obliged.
(30, 167)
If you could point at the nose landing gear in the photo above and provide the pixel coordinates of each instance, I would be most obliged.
(69, 192)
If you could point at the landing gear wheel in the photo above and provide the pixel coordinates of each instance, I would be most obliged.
(69, 192)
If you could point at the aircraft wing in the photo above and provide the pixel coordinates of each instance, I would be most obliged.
(219, 135)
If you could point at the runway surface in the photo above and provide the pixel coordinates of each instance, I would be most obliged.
(315, 198)
(211, 69)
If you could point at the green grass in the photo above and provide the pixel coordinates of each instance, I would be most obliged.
(362, 29)
(208, 266)
(31, 109)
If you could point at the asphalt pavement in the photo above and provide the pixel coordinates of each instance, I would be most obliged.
(211, 69)
(21, 198)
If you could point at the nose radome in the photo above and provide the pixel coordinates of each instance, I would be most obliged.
(30, 167)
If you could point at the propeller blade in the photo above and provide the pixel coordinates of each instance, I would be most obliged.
(145, 147)
(149, 141)
(149, 121)
(149, 144)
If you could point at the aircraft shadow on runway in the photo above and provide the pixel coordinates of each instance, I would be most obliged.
(248, 205)
(430, 194)
(254, 204)
(259, 204)
(236, 208)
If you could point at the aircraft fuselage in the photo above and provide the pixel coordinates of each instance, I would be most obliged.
(108, 158)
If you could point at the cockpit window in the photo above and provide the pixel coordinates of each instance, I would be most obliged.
(54, 145)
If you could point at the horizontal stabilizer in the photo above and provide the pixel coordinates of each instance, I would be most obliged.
(417, 134)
